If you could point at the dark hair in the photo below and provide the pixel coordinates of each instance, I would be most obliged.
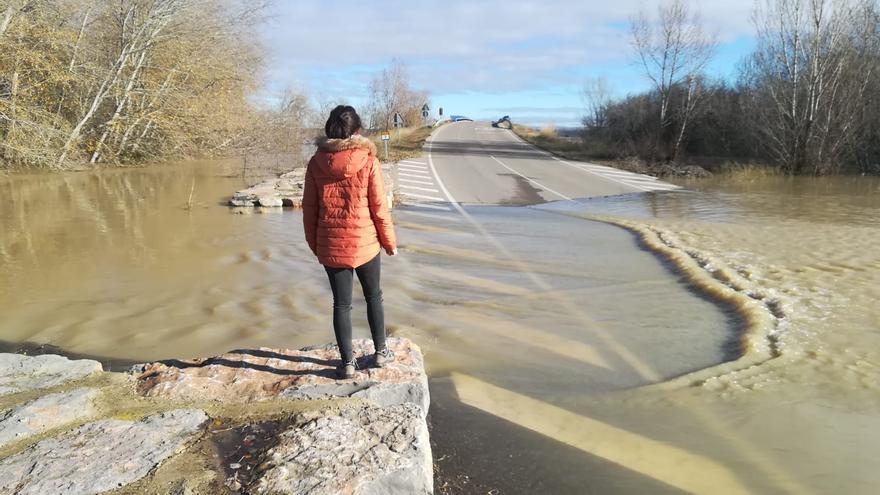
(342, 123)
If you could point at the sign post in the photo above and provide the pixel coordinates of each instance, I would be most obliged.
(398, 123)
(385, 138)
(426, 111)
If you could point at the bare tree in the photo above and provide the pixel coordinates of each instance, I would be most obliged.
(596, 96)
(126, 80)
(673, 51)
(390, 93)
(814, 62)
(12, 9)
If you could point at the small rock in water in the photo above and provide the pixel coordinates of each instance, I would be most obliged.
(46, 413)
(270, 201)
(19, 373)
(99, 456)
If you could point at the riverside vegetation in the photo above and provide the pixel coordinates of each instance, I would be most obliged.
(806, 101)
(91, 82)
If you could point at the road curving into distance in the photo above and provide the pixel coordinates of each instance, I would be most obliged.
(474, 163)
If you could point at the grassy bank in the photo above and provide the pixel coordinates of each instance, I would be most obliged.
(548, 140)
(573, 148)
(409, 145)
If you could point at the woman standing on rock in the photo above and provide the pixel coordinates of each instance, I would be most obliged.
(347, 224)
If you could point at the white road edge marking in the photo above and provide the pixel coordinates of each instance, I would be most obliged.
(424, 196)
(533, 181)
(659, 187)
(589, 171)
(420, 175)
(417, 188)
(412, 181)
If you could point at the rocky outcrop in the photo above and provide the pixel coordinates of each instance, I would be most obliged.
(287, 190)
(20, 373)
(309, 373)
(370, 450)
(46, 413)
(100, 456)
(90, 439)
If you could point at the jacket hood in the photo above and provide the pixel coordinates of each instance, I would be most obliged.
(344, 158)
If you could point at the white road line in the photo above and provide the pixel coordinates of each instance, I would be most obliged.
(417, 188)
(413, 181)
(648, 182)
(662, 187)
(646, 178)
(621, 173)
(429, 206)
(533, 181)
(424, 196)
(614, 171)
(417, 175)
(411, 167)
(589, 171)
(631, 178)
(411, 161)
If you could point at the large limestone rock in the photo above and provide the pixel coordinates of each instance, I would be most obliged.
(46, 413)
(19, 373)
(99, 456)
(365, 451)
(309, 373)
(287, 190)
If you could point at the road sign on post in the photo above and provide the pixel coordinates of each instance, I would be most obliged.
(398, 123)
(385, 138)
(426, 111)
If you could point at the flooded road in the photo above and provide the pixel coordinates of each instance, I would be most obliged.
(720, 340)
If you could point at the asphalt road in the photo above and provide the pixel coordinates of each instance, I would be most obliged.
(474, 163)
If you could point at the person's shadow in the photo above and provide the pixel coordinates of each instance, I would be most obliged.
(329, 370)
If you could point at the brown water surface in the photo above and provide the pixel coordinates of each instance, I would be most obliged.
(566, 355)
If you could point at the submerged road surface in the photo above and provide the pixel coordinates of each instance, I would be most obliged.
(474, 163)
(531, 316)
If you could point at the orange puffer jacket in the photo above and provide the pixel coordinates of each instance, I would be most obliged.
(345, 211)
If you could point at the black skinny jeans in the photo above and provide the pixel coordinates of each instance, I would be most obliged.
(341, 280)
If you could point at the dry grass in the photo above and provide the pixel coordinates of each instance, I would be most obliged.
(409, 145)
(746, 172)
(574, 149)
(548, 140)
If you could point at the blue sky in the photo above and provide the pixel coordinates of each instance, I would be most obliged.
(483, 59)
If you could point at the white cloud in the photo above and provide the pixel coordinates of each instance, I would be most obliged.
(463, 45)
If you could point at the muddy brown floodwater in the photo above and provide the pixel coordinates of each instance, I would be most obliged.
(720, 340)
